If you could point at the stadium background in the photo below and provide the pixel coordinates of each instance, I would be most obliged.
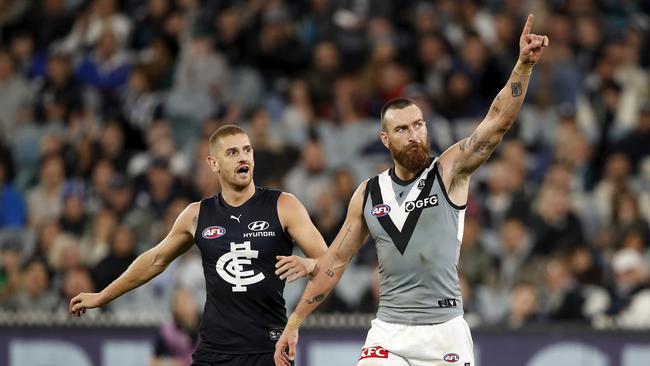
(106, 105)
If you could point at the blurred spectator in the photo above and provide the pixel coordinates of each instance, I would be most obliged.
(45, 201)
(120, 256)
(554, 224)
(13, 213)
(75, 281)
(35, 292)
(15, 94)
(59, 93)
(106, 69)
(524, 306)
(563, 299)
(630, 293)
(95, 19)
(178, 338)
(309, 178)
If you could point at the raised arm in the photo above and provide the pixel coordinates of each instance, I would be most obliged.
(147, 266)
(462, 159)
(296, 222)
(326, 275)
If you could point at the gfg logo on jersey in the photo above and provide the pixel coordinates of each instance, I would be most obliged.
(258, 225)
(230, 266)
(213, 232)
(422, 203)
(451, 357)
(373, 352)
(380, 210)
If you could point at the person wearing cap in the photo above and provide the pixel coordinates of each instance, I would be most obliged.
(246, 235)
(630, 294)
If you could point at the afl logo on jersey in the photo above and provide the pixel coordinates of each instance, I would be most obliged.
(213, 232)
(380, 210)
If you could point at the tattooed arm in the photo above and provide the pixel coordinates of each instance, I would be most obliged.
(326, 275)
(463, 158)
(147, 266)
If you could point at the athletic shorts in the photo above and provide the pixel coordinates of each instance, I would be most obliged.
(445, 344)
(222, 359)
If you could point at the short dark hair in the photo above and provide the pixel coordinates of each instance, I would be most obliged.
(395, 103)
(227, 130)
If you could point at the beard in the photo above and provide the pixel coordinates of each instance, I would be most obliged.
(413, 157)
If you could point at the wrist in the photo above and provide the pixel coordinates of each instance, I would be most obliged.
(523, 68)
(295, 321)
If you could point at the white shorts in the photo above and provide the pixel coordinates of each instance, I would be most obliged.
(445, 344)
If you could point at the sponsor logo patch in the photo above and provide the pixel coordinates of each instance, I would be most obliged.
(373, 352)
(430, 201)
(451, 357)
(380, 210)
(213, 232)
(258, 225)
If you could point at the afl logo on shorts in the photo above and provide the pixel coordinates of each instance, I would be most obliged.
(213, 232)
(380, 210)
(451, 357)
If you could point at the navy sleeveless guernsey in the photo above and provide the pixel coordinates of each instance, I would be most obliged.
(244, 310)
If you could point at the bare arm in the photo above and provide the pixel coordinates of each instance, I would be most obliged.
(463, 158)
(327, 274)
(147, 266)
(298, 225)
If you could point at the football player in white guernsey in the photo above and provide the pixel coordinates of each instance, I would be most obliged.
(414, 325)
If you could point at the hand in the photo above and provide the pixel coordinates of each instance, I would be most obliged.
(293, 267)
(83, 301)
(531, 45)
(285, 348)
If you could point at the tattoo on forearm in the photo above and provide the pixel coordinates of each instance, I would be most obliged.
(314, 273)
(516, 89)
(329, 273)
(315, 299)
(496, 109)
(347, 231)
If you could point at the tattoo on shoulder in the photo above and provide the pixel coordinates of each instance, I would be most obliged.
(516, 89)
(315, 299)
(496, 109)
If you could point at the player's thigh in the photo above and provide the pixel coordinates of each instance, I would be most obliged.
(455, 347)
(378, 356)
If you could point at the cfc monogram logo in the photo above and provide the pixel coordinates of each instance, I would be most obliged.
(231, 266)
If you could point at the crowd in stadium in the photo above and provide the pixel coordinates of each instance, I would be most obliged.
(106, 107)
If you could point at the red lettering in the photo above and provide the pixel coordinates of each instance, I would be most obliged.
(374, 352)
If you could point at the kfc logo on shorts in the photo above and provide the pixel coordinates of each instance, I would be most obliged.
(451, 357)
(373, 352)
(380, 210)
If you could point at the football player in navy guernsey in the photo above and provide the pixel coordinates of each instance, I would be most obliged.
(245, 235)
(415, 212)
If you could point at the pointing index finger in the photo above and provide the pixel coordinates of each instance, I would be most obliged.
(529, 25)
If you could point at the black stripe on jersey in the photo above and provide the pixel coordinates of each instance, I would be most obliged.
(400, 238)
(444, 190)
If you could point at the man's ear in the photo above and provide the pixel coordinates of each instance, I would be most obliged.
(384, 138)
(213, 164)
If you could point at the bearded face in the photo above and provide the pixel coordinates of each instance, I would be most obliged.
(413, 157)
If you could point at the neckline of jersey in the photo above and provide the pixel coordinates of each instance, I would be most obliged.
(404, 183)
(254, 197)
